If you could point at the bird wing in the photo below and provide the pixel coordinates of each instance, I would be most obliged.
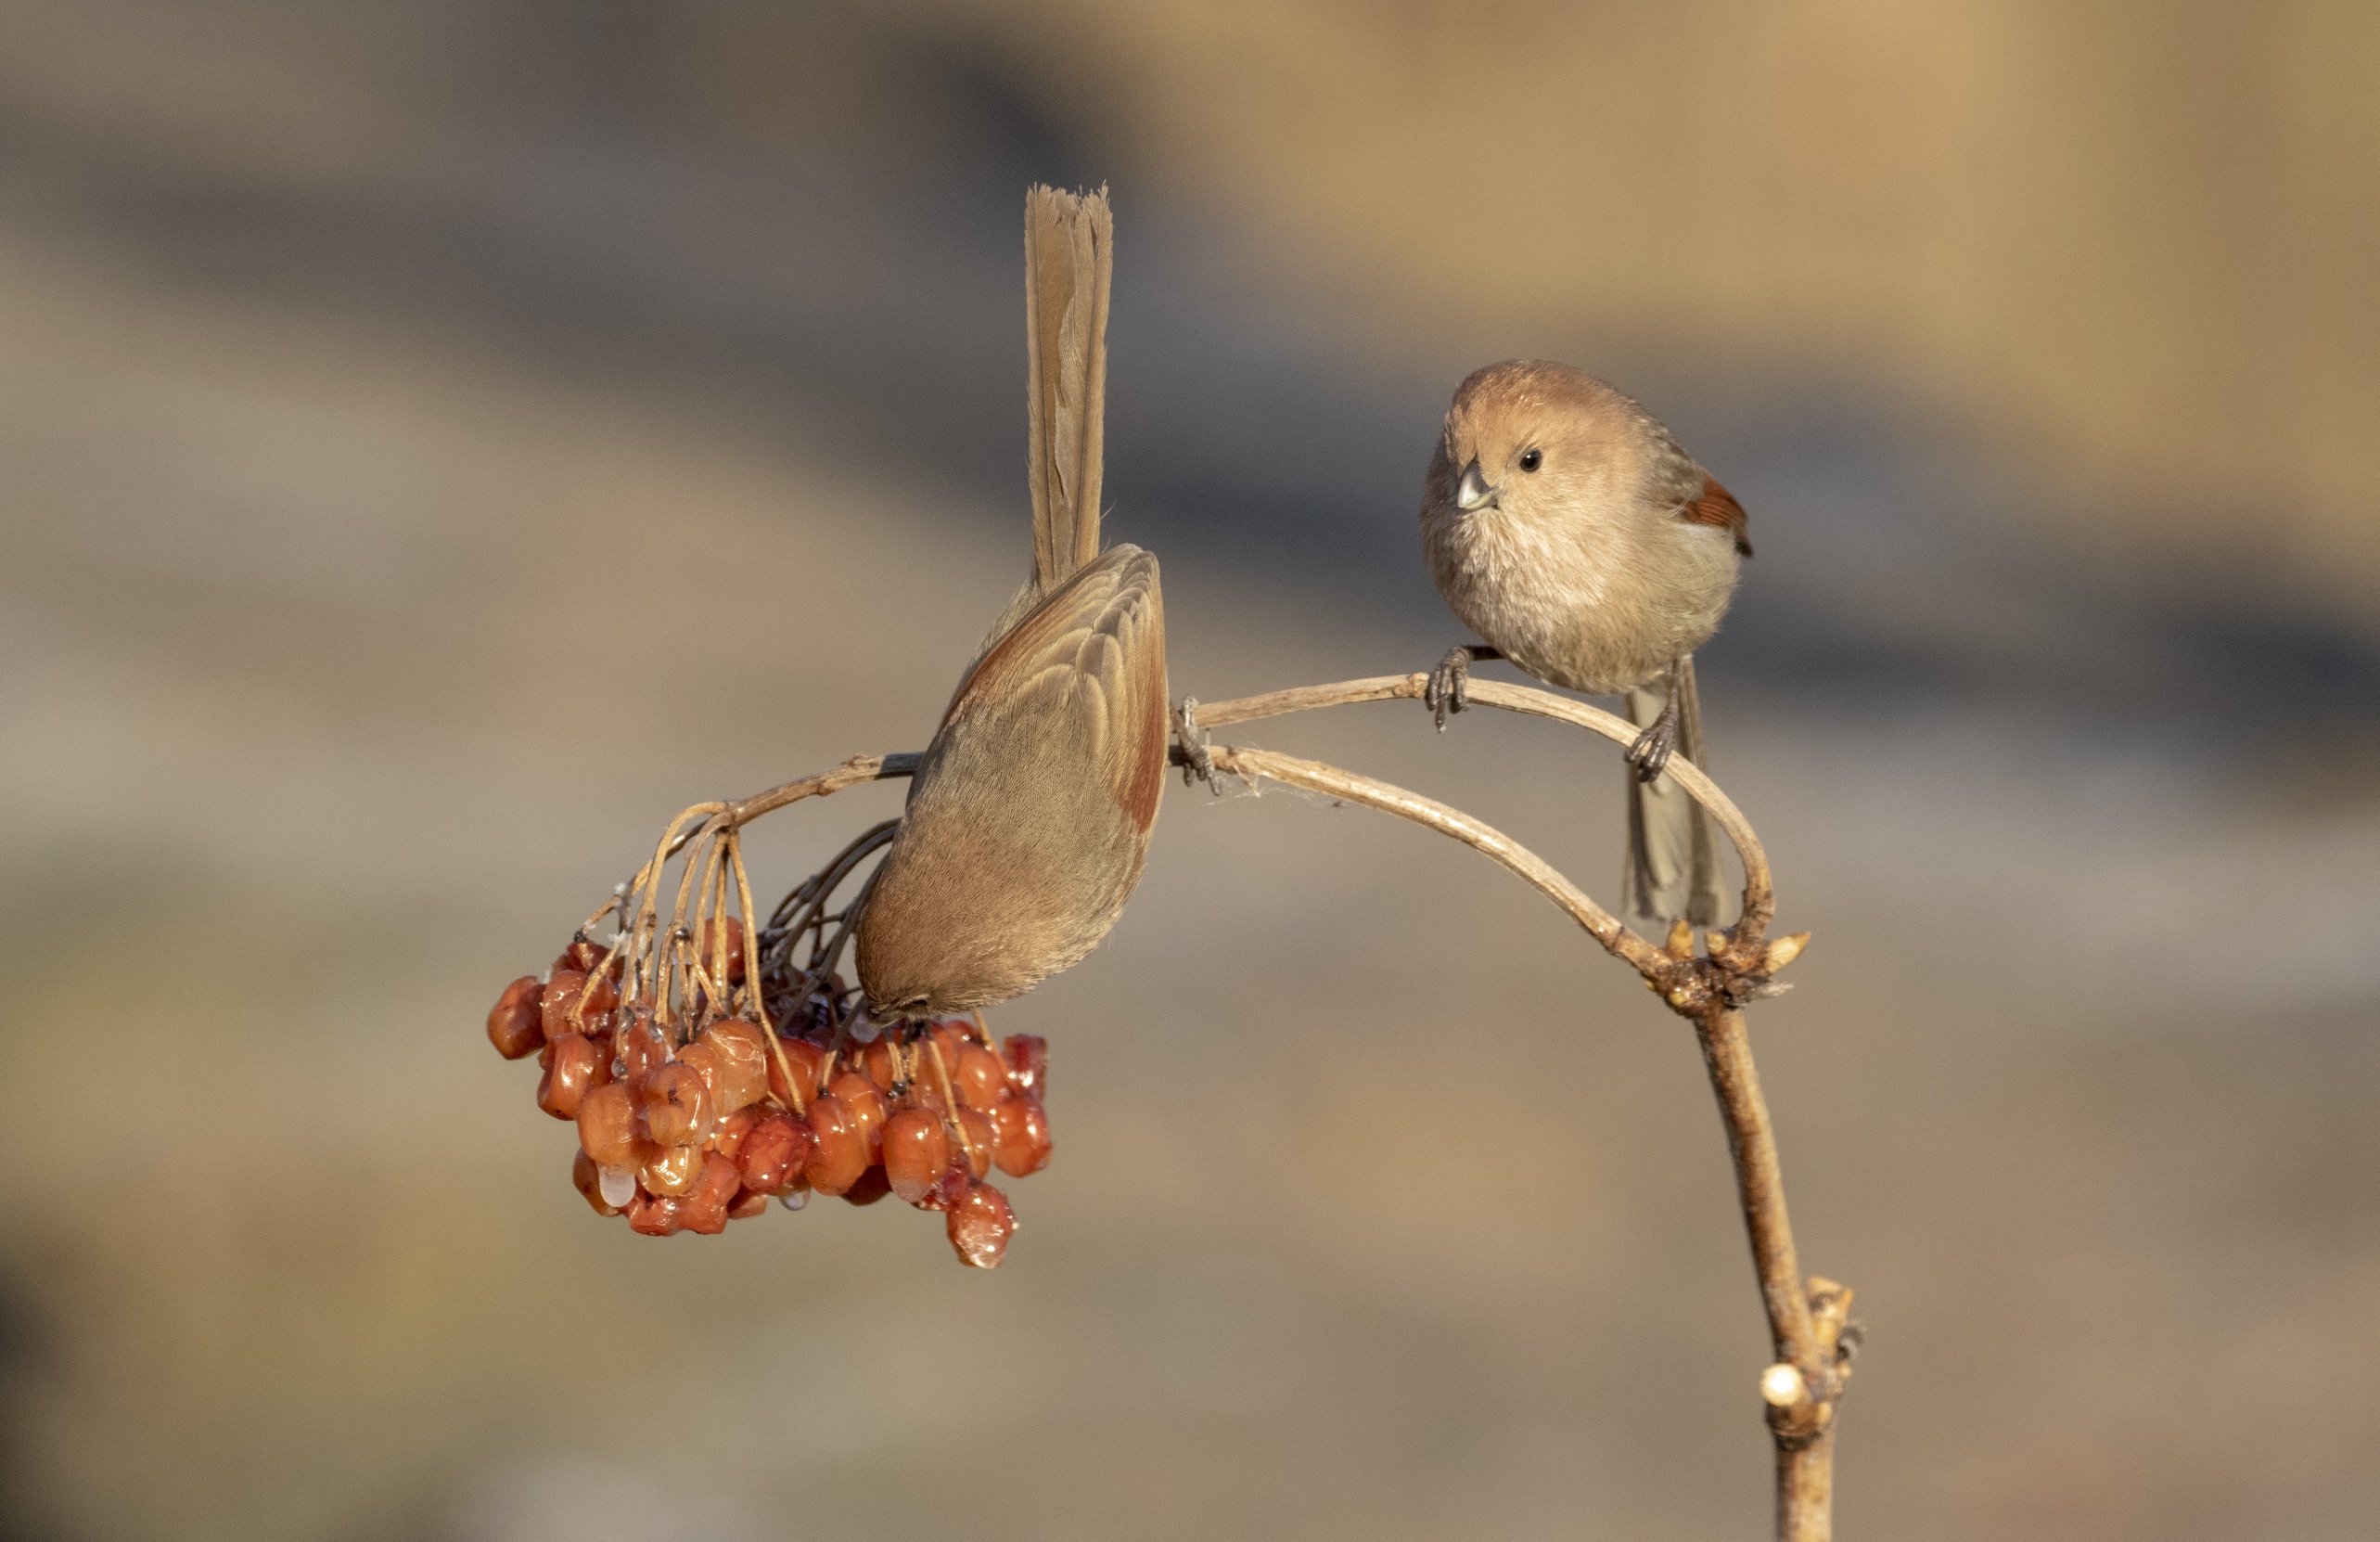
(1676, 481)
(1092, 655)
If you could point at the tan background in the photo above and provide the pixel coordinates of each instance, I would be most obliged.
(439, 441)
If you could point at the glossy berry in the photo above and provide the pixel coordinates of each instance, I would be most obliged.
(842, 1152)
(866, 1104)
(516, 1025)
(978, 1078)
(916, 1151)
(672, 1106)
(729, 1131)
(588, 1180)
(572, 1069)
(735, 948)
(1029, 1062)
(655, 1216)
(608, 1125)
(715, 1186)
(1020, 1137)
(671, 1171)
(979, 1226)
(744, 1060)
(872, 1186)
(983, 1140)
(807, 1059)
(774, 1154)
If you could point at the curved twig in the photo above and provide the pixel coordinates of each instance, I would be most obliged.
(1744, 950)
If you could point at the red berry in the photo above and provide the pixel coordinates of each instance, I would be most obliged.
(728, 1133)
(514, 1024)
(714, 1191)
(774, 1154)
(572, 1069)
(875, 1060)
(859, 1096)
(981, 1140)
(640, 1044)
(672, 1106)
(672, 1171)
(1020, 1137)
(608, 1125)
(581, 956)
(948, 1190)
(1029, 1062)
(841, 1154)
(807, 1059)
(744, 1058)
(978, 1078)
(588, 1180)
(916, 1151)
(655, 1216)
(979, 1226)
(872, 1186)
(748, 1204)
(559, 1004)
(735, 949)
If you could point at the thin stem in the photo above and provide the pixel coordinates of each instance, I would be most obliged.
(1760, 893)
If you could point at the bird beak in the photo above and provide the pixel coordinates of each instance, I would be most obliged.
(1473, 492)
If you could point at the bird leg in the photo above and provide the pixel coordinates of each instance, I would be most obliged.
(1449, 687)
(1651, 751)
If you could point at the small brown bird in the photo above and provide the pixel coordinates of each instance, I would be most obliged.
(1566, 527)
(1028, 819)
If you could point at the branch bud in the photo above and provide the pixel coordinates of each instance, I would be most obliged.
(1785, 950)
(1782, 1386)
(1680, 943)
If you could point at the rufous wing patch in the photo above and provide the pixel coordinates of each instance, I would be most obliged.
(1718, 507)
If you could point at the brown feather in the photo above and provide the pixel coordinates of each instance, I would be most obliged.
(1069, 257)
(1718, 507)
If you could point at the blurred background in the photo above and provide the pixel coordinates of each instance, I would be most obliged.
(439, 440)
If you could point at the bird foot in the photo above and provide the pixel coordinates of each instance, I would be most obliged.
(1449, 689)
(1651, 752)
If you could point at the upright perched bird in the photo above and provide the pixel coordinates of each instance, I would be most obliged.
(1567, 528)
(1028, 819)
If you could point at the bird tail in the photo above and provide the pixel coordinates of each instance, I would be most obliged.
(1673, 868)
(1070, 256)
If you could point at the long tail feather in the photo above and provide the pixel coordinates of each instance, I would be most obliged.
(1070, 241)
(1673, 868)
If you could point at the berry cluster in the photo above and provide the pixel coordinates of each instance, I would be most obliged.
(686, 1125)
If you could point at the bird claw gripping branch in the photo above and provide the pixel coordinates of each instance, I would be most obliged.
(708, 1071)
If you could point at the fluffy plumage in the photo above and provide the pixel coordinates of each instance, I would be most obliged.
(1567, 528)
(1028, 819)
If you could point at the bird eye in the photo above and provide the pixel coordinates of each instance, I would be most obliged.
(1531, 459)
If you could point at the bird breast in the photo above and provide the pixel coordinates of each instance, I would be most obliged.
(1596, 608)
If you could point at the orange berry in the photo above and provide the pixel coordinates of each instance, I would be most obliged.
(979, 1226)
(735, 948)
(744, 1057)
(514, 1024)
(608, 1125)
(807, 1059)
(978, 1078)
(655, 1216)
(672, 1106)
(581, 956)
(877, 1060)
(714, 1190)
(774, 1153)
(748, 1204)
(1020, 1137)
(981, 1140)
(639, 1043)
(841, 1153)
(672, 1171)
(588, 1180)
(916, 1149)
(1029, 1062)
(728, 1132)
(866, 1104)
(573, 1068)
